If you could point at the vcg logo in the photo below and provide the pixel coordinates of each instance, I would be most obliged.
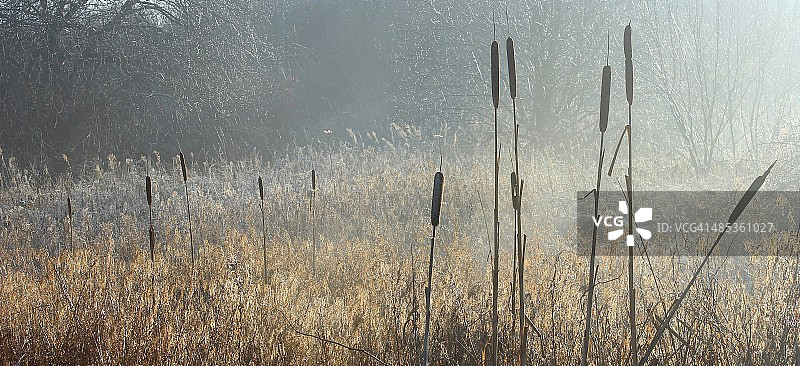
(643, 214)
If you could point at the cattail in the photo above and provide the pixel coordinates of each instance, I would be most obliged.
(673, 310)
(495, 276)
(183, 167)
(628, 65)
(495, 74)
(629, 182)
(148, 184)
(261, 188)
(436, 205)
(605, 97)
(518, 264)
(512, 68)
(149, 189)
(69, 208)
(313, 180)
(69, 215)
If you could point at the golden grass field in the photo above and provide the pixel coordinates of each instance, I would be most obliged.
(97, 298)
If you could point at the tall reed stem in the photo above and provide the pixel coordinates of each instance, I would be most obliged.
(313, 222)
(629, 184)
(149, 191)
(263, 226)
(426, 337)
(517, 185)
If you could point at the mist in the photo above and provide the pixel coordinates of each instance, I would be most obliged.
(229, 79)
(326, 182)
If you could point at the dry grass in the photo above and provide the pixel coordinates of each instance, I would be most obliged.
(92, 303)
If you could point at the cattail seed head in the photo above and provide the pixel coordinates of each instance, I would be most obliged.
(183, 167)
(261, 188)
(69, 207)
(495, 74)
(628, 48)
(605, 95)
(512, 68)
(436, 205)
(628, 65)
(148, 184)
(313, 180)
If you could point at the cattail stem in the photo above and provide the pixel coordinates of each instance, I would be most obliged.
(414, 303)
(631, 289)
(496, 264)
(189, 219)
(592, 273)
(263, 226)
(514, 281)
(312, 208)
(523, 331)
(149, 192)
(426, 337)
(629, 182)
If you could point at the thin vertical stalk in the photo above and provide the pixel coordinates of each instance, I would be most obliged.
(523, 329)
(149, 191)
(426, 337)
(313, 221)
(629, 183)
(631, 289)
(514, 265)
(414, 310)
(263, 226)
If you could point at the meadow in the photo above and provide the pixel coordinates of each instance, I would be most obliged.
(82, 289)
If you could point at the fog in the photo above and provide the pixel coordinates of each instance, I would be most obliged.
(716, 81)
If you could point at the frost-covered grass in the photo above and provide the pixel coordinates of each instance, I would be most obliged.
(102, 301)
